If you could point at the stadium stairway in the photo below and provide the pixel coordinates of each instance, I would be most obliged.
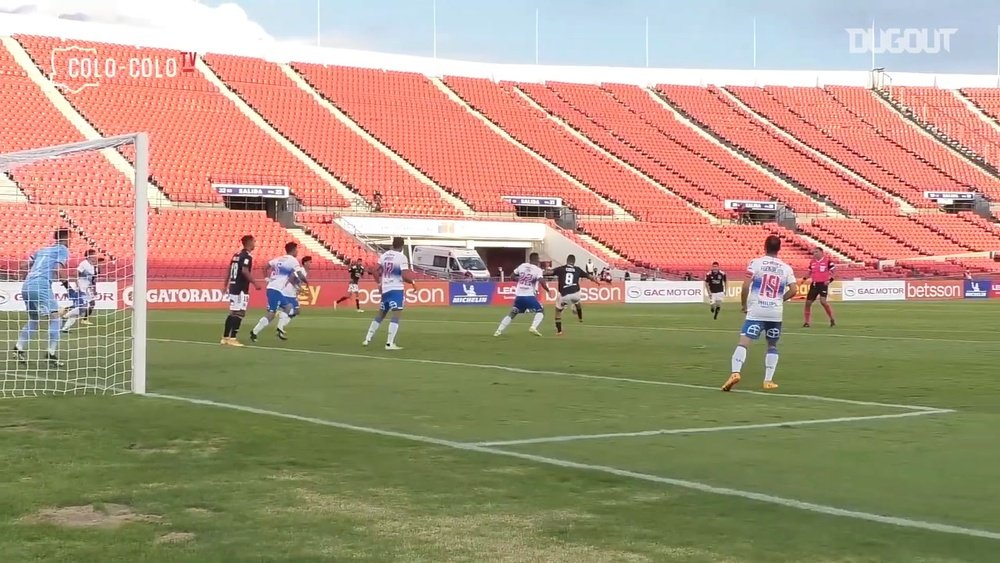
(340, 116)
(619, 212)
(599, 149)
(9, 192)
(794, 142)
(156, 197)
(313, 245)
(266, 127)
(683, 118)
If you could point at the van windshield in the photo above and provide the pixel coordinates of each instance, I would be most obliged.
(472, 263)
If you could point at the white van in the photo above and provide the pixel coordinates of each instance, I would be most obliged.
(451, 263)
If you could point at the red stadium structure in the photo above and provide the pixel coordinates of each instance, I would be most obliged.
(647, 170)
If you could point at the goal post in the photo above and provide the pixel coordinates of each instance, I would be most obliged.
(97, 190)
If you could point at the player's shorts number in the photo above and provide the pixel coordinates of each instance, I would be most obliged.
(239, 301)
(353, 288)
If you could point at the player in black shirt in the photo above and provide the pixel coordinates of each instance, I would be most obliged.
(356, 271)
(568, 280)
(239, 278)
(715, 284)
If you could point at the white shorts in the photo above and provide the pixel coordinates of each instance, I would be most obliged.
(716, 298)
(567, 300)
(353, 288)
(239, 301)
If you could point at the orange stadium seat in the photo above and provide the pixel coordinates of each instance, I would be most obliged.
(655, 158)
(349, 157)
(197, 136)
(409, 114)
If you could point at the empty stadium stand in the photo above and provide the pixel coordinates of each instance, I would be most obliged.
(408, 113)
(649, 138)
(668, 175)
(854, 127)
(30, 121)
(349, 157)
(198, 137)
(717, 113)
(502, 105)
(949, 114)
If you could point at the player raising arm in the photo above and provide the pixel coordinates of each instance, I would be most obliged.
(715, 286)
(820, 277)
(44, 267)
(393, 271)
(568, 280)
(529, 279)
(282, 269)
(769, 283)
(355, 271)
(239, 278)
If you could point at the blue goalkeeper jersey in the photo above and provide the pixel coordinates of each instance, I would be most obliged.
(44, 264)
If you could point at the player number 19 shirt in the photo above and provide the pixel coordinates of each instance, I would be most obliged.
(769, 278)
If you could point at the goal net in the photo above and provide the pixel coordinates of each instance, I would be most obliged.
(73, 310)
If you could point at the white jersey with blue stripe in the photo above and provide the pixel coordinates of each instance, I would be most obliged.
(86, 277)
(769, 279)
(45, 263)
(527, 276)
(295, 282)
(282, 269)
(393, 264)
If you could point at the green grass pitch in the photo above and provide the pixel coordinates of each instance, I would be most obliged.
(612, 443)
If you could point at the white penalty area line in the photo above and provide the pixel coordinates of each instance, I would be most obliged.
(702, 430)
(593, 377)
(682, 483)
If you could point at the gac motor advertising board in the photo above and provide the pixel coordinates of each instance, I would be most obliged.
(694, 292)
(105, 296)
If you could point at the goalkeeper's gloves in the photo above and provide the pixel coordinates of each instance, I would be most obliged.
(65, 284)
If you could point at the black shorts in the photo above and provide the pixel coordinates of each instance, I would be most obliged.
(817, 289)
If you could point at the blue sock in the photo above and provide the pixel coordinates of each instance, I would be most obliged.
(26, 333)
(54, 326)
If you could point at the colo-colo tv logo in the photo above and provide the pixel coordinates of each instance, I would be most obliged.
(74, 68)
(898, 41)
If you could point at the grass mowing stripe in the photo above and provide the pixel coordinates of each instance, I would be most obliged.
(692, 485)
(733, 331)
(513, 369)
(666, 432)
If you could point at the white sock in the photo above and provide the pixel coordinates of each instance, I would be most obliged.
(504, 323)
(393, 329)
(283, 320)
(71, 317)
(770, 363)
(372, 330)
(537, 322)
(739, 356)
(261, 325)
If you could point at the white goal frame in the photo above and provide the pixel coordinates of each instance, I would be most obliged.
(140, 143)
